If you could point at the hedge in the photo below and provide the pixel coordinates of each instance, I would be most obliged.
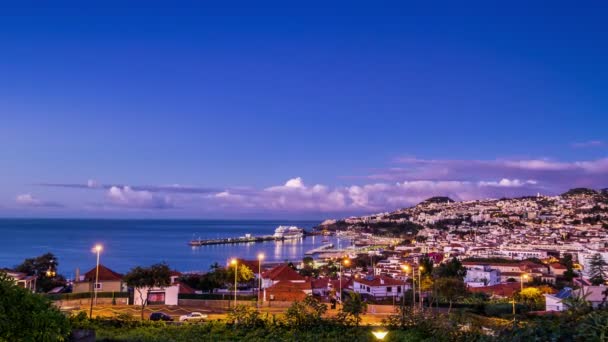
(82, 295)
(225, 296)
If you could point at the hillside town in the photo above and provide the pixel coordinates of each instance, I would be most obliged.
(495, 247)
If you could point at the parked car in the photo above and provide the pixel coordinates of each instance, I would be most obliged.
(193, 317)
(160, 316)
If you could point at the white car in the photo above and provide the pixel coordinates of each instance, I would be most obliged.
(193, 317)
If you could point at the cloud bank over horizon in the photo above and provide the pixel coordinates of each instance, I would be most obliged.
(406, 182)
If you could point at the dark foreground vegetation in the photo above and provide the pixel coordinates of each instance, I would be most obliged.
(30, 317)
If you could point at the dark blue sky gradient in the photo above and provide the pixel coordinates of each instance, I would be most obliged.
(255, 95)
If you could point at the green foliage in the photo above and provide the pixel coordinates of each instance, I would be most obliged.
(244, 274)
(39, 266)
(307, 313)
(25, 316)
(569, 263)
(427, 265)
(451, 269)
(450, 289)
(354, 307)
(532, 298)
(245, 316)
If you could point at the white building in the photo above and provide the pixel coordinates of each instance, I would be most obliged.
(379, 287)
(478, 276)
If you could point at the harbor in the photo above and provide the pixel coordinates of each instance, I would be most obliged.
(281, 233)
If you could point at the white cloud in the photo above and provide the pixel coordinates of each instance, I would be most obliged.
(508, 183)
(125, 196)
(31, 201)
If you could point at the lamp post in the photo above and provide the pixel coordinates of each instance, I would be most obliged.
(236, 270)
(260, 258)
(97, 249)
(406, 269)
(420, 269)
(346, 263)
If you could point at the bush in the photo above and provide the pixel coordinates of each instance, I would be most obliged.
(25, 316)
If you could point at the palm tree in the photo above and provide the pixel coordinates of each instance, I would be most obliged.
(355, 307)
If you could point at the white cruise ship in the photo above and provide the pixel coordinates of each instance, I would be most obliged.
(288, 232)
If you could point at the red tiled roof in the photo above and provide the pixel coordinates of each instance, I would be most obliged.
(175, 273)
(282, 273)
(320, 283)
(557, 266)
(105, 274)
(502, 290)
(379, 281)
(346, 282)
(288, 291)
(184, 288)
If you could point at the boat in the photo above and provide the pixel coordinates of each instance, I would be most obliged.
(288, 232)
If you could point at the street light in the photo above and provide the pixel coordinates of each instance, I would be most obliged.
(406, 270)
(236, 270)
(524, 276)
(346, 263)
(97, 249)
(420, 269)
(260, 258)
(380, 334)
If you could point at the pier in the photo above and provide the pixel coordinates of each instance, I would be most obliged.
(227, 241)
(320, 249)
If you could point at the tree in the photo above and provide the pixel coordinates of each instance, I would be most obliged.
(354, 307)
(451, 289)
(244, 274)
(25, 316)
(141, 279)
(451, 269)
(245, 316)
(567, 261)
(40, 267)
(531, 297)
(307, 313)
(427, 265)
(597, 269)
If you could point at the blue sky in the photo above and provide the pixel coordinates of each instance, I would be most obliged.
(316, 111)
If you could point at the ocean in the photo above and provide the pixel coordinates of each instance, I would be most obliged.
(130, 243)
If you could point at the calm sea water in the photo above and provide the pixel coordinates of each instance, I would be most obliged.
(128, 243)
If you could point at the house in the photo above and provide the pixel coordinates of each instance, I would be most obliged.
(23, 280)
(320, 287)
(595, 295)
(281, 273)
(481, 276)
(554, 302)
(287, 291)
(557, 269)
(378, 287)
(167, 295)
(108, 281)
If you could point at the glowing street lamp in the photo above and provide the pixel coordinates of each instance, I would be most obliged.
(380, 334)
(346, 263)
(236, 270)
(260, 258)
(524, 276)
(420, 269)
(406, 270)
(97, 249)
